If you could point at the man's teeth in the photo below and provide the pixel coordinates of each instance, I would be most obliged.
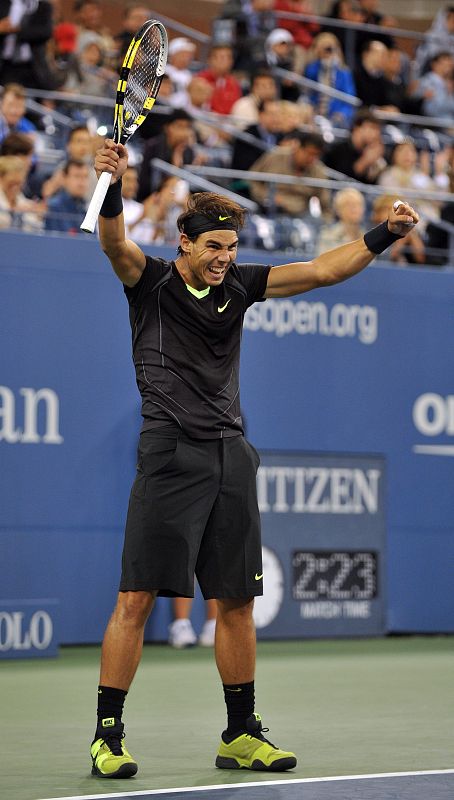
(217, 270)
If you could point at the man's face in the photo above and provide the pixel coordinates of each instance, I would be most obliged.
(13, 182)
(305, 156)
(376, 55)
(80, 146)
(90, 16)
(182, 59)
(443, 66)
(13, 108)
(270, 118)
(365, 134)
(265, 88)
(179, 132)
(130, 184)
(221, 61)
(137, 16)
(209, 257)
(76, 181)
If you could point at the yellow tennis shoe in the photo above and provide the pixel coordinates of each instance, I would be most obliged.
(109, 755)
(250, 750)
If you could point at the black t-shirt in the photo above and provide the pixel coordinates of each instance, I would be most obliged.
(186, 350)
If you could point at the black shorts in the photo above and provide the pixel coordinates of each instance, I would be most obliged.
(193, 511)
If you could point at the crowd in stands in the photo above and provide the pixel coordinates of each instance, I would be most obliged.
(301, 102)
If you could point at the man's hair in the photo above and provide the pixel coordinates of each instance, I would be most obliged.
(15, 89)
(178, 113)
(212, 205)
(16, 144)
(73, 162)
(364, 115)
(262, 73)
(309, 139)
(76, 129)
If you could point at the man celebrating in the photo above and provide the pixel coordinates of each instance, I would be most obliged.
(193, 506)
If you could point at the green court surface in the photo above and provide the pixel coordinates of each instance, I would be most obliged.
(345, 707)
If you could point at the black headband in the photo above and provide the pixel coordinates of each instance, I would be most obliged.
(200, 223)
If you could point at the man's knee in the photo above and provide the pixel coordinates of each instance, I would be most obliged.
(134, 607)
(235, 611)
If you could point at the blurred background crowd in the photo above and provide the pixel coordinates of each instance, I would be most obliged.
(315, 123)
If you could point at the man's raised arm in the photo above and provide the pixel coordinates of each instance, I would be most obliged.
(126, 258)
(343, 262)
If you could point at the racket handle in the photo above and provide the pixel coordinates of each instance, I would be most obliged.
(91, 217)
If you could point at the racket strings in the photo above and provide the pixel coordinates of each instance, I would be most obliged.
(143, 81)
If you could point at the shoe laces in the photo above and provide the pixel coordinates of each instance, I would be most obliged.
(114, 743)
(256, 731)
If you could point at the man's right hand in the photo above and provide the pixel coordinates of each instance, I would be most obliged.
(113, 158)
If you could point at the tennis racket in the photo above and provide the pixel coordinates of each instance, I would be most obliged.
(138, 87)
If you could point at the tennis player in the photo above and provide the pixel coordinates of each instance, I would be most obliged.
(193, 505)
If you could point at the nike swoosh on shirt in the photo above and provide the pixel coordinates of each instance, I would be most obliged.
(258, 577)
(222, 308)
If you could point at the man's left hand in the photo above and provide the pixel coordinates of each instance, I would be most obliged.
(402, 218)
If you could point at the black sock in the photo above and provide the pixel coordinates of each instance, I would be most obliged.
(110, 703)
(239, 699)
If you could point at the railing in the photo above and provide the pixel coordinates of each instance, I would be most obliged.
(320, 183)
(201, 182)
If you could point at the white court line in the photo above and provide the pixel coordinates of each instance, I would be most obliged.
(254, 783)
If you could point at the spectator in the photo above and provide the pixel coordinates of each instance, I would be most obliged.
(303, 32)
(181, 54)
(246, 109)
(226, 89)
(404, 173)
(16, 211)
(439, 38)
(62, 56)
(133, 211)
(163, 208)
(408, 250)
(194, 100)
(79, 147)
(181, 632)
(250, 24)
(345, 10)
(173, 145)
(302, 161)
(362, 155)
(92, 77)
(134, 17)
(267, 131)
(437, 238)
(89, 18)
(25, 29)
(349, 206)
(294, 117)
(154, 219)
(66, 208)
(371, 85)
(437, 87)
(394, 70)
(279, 52)
(372, 16)
(21, 146)
(328, 69)
(12, 112)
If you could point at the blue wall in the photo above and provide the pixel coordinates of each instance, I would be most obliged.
(338, 370)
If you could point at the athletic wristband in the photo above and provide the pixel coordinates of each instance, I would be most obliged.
(113, 204)
(380, 238)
